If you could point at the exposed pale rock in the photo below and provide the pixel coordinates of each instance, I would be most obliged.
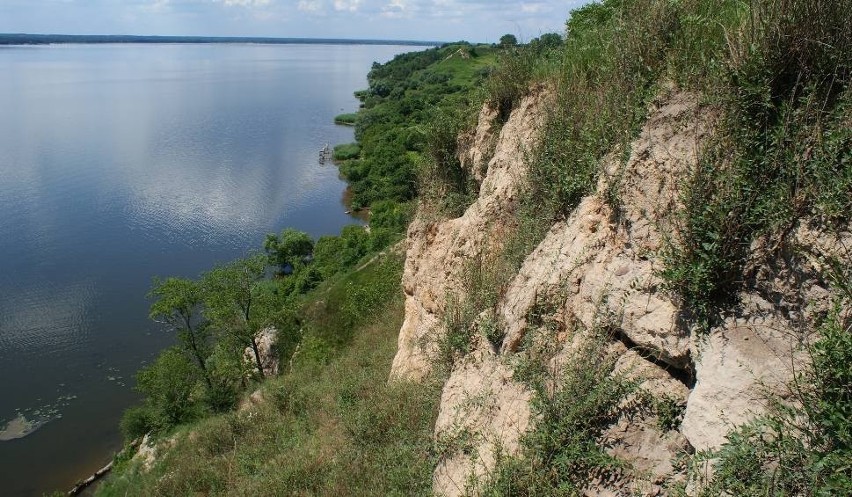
(476, 146)
(483, 411)
(760, 346)
(736, 368)
(596, 262)
(146, 454)
(266, 339)
(437, 251)
(148, 451)
(600, 267)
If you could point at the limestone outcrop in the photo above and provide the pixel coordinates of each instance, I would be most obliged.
(437, 249)
(266, 339)
(602, 264)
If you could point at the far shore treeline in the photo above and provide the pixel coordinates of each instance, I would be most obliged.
(47, 39)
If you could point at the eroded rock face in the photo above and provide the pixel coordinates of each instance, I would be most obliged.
(760, 346)
(598, 262)
(266, 349)
(437, 250)
(601, 266)
(476, 147)
(483, 412)
(734, 367)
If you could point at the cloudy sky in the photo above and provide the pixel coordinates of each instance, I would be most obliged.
(444, 20)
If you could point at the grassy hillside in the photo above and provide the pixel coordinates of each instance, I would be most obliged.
(330, 425)
(778, 75)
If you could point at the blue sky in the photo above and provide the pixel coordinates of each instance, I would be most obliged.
(446, 20)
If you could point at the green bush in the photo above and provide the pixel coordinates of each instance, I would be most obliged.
(170, 385)
(346, 151)
(346, 119)
(136, 422)
(782, 151)
(561, 455)
(397, 108)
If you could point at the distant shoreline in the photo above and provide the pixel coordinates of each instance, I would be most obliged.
(51, 39)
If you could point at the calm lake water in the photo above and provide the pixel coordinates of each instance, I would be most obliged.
(122, 162)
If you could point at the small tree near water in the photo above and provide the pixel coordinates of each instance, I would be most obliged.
(236, 305)
(290, 248)
(178, 304)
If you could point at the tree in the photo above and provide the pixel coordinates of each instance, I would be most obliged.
(178, 305)
(236, 304)
(290, 248)
(547, 41)
(168, 384)
(508, 40)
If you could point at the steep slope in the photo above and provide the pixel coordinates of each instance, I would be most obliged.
(600, 269)
(437, 250)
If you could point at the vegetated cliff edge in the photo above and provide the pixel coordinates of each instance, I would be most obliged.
(593, 287)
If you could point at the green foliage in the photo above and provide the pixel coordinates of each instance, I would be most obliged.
(783, 151)
(346, 119)
(337, 253)
(511, 80)
(669, 412)
(444, 185)
(346, 151)
(561, 455)
(169, 386)
(178, 304)
(403, 95)
(289, 249)
(388, 222)
(237, 305)
(484, 282)
(508, 40)
(328, 426)
(352, 300)
(136, 422)
(547, 41)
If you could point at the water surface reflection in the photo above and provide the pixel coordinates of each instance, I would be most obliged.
(121, 162)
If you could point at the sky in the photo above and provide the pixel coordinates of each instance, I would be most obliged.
(440, 20)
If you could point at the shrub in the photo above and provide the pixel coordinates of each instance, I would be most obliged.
(169, 385)
(136, 422)
(561, 455)
(346, 119)
(346, 151)
(782, 152)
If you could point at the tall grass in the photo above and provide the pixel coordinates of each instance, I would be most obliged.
(561, 455)
(782, 153)
(331, 425)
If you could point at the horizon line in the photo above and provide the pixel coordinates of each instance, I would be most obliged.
(56, 38)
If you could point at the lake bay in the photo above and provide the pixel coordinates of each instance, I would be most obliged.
(119, 163)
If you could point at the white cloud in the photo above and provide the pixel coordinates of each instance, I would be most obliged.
(246, 3)
(347, 5)
(473, 20)
(395, 9)
(157, 6)
(309, 5)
